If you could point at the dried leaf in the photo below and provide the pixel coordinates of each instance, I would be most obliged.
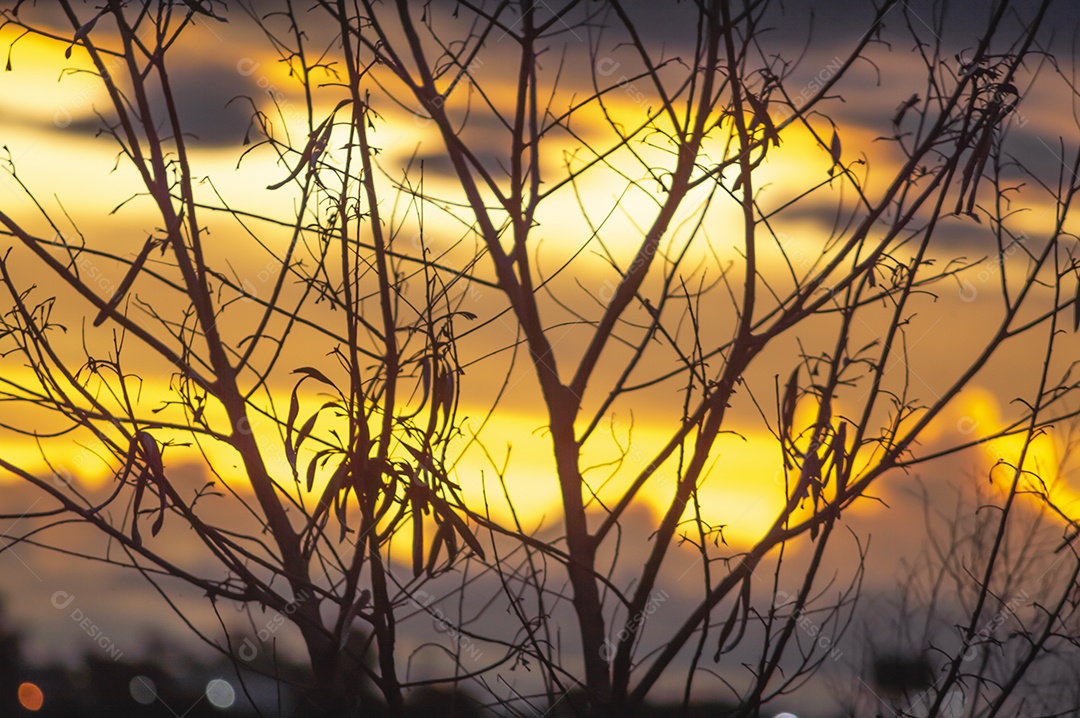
(356, 608)
(904, 107)
(443, 536)
(1076, 308)
(305, 430)
(839, 450)
(154, 471)
(320, 146)
(341, 509)
(311, 468)
(333, 486)
(316, 145)
(425, 379)
(129, 461)
(834, 148)
(973, 171)
(787, 408)
(151, 454)
(160, 521)
(80, 35)
(825, 413)
(448, 398)
(981, 158)
(451, 548)
(290, 447)
(418, 538)
(459, 525)
(125, 284)
(314, 374)
(136, 502)
(743, 603)
(425, 461)
(305, 157)
(197, 6)
(761, 116)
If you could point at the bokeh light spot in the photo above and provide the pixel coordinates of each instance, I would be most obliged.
(143, 690)
(30, 697)
(220, 693)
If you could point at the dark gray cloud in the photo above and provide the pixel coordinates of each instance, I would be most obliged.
(958, 22)
(203, 93)
(204, 88)
(202, 97)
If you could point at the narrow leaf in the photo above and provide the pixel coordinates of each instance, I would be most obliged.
(125, 284)
(320, 146)
(341, 509)
(316, 144)
(418, 539)
(314, 374)
(305, 157)
(834, 148)
(129, 462)
(1076, 308)
(761, 116)
(80, 35)
(290, 448)
(451, 548)
(151, 454)
(743, 603)
(305, 430)
(160, 521)
(443, 535)
(448, 397)
(839, 449)
(140, 487)
(350, 616)
(462, 529)
(425, 379)
(729, 626)
(904, 107)
(787, 408)
(197, 6)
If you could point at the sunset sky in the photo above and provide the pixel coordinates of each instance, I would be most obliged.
(49, 127)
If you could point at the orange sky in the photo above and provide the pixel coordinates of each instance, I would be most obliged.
(44, 109)
(48, 127)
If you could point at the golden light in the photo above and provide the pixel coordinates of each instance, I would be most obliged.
(30, 696)
(980, 415)
(744, 490)
(48, 86)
